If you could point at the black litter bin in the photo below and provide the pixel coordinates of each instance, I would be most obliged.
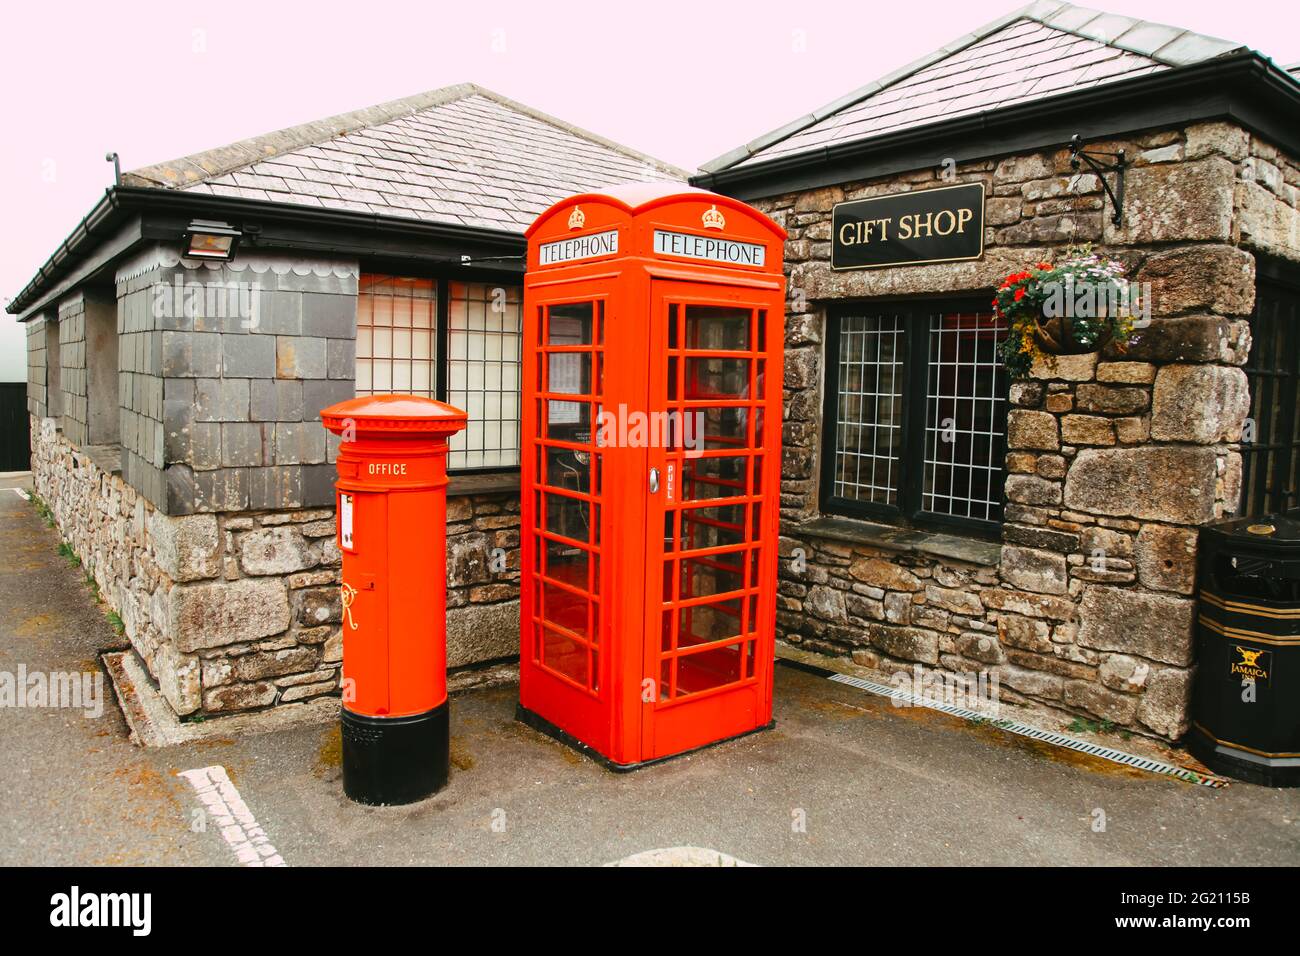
(1246, 694)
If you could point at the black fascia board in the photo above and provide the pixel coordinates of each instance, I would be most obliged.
(1241, 87)
(280, 226)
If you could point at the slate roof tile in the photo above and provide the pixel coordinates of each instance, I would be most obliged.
(1044, 49)
(461, 155)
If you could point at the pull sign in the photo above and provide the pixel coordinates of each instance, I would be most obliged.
(668, 491)
(345, 521)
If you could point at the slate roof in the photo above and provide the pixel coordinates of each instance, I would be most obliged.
(458, 155)
(1040, 50)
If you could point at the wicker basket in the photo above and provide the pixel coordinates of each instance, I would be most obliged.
(1055, 336)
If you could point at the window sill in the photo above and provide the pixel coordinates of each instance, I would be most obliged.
(108, 458)
(903, 540)
(495, 482)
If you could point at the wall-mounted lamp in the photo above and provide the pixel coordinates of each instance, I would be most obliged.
(207, 239)
(1119, 164)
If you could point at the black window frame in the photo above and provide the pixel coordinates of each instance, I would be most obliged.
(443, 276)
(908, 513)
(1265, 490)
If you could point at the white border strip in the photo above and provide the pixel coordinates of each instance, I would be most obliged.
(219, 796)
(1025, 730)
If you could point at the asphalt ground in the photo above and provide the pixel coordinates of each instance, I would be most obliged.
(844, 778)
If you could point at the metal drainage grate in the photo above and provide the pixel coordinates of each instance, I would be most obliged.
(1024, 730)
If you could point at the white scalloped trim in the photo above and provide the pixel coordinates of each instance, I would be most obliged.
(165, 256)
(146, 260)
(260, 263)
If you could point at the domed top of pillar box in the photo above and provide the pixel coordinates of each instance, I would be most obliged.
(396, 416)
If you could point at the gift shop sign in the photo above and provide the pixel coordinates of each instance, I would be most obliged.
(932, 225)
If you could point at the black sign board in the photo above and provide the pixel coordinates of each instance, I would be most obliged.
(933, 225)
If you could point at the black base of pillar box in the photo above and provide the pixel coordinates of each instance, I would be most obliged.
(389, 761)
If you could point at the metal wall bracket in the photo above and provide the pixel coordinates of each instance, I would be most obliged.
(1118, 165)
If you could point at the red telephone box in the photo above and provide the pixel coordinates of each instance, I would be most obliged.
(653, 330)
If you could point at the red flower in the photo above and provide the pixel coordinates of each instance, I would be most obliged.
(1020, 294)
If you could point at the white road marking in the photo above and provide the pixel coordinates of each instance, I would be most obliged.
(219, 796)
(21, 494)
(679, 856)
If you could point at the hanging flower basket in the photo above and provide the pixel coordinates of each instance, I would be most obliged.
(1060, 336)
(1075, 307)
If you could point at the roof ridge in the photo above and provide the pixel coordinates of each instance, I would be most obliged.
(1061, 20)
(731, 157)
(199, 167)
(1055, 14)
(218, 161)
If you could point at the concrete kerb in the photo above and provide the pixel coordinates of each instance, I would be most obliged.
(153, 723)
(1032, 713)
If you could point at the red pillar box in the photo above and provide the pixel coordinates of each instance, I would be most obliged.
(392, 530)
(651, 470)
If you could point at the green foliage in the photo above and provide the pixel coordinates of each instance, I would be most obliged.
(116, 620)
(1081, 725)
(43, 510)
(69, 555)
(1091, 291)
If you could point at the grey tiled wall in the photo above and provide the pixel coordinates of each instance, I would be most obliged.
(140, 385)
(222, 372)
(72, 359)
(36, 404)
(230, 367)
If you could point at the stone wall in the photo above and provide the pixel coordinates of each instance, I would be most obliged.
(482, 577)
(1112, 462)
(210, 529)
(235, 611)
(228, 612)
(1266, 197)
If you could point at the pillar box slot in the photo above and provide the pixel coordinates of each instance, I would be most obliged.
(392, 530)
(650, 474)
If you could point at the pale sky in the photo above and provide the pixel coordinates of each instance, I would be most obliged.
(683, 81)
